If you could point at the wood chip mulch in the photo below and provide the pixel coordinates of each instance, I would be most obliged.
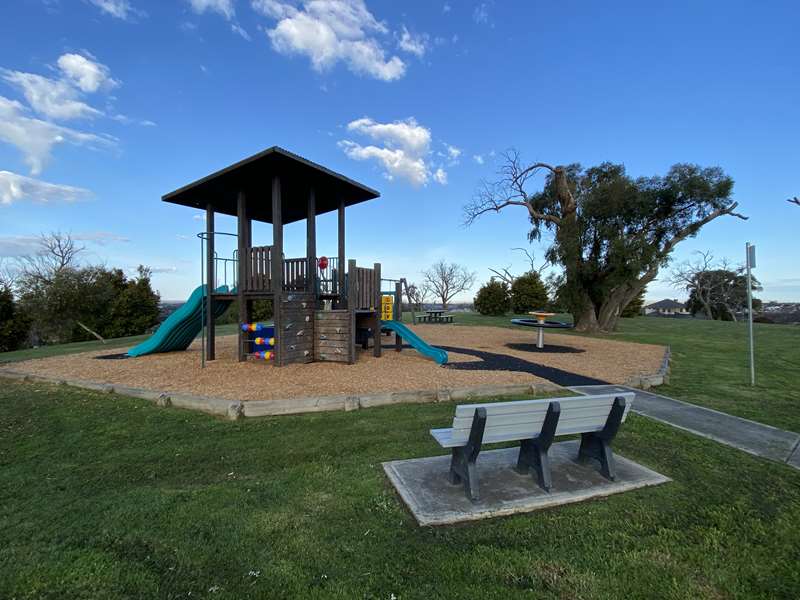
(477, 356)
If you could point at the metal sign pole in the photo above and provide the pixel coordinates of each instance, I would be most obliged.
(751, 263)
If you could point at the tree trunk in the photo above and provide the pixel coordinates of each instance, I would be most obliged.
(586, 318)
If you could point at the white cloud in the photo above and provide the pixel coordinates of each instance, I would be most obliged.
(331, 31)
(54, 98)
(222, 7)
(477, 158)
(36, 138)
(18, 245)
(238, 29)
(481, 13)
(16, 188)
(125, 120)
(27, 245)
(452, 152)
(101, 238)
(413, 44)
(407, 134)
(396, 162)
(86, 73)
(403, 149)
(199, 217)
(157, 270)
(61, 98)
(121, 9)
(446, 8)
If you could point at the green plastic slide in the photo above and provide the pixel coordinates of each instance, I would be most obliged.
(182, 326)
(420, 345)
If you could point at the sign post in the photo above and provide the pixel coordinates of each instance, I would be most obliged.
(387, 304)
(751, 264)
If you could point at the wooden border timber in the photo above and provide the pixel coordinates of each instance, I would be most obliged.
(236, 409)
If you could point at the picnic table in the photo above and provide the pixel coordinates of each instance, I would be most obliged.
(435, 316)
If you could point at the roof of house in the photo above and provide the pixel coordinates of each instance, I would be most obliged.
(666, 305)
(253, 176)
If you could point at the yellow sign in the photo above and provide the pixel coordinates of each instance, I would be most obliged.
(387, 308)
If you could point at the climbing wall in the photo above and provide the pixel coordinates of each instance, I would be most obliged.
(334, 336)
(296, 324)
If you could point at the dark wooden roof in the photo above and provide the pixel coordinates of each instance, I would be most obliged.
(254, 176)
(666, 305)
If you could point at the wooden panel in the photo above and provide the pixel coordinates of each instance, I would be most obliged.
(329, 315)
(341, 336)
(516, 420)
(599, 411)
(332, 343)
(332, 326)
(519, 406)
(333, 336)
(332, 357)
(294, 273)
(297, 324)
(296, 316)
(256, 265)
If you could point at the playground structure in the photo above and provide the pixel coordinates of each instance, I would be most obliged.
(322, 308)
(539, 321)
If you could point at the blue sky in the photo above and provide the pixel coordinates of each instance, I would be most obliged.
(105, 105)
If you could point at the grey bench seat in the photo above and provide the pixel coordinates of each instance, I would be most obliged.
(533, 423)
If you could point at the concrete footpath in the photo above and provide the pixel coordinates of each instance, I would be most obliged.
(755, 438)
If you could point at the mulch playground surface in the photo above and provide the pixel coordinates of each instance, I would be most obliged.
(477, 356)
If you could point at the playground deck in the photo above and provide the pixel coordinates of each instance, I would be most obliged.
(477, 356)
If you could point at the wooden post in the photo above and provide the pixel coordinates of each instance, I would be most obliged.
(352, 284)
(343, 299)
(210, 283)
(277, 267)
(398, 313)
(241, 239)
(311, 244)
(376, 298)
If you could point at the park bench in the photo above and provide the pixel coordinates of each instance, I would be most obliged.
(533, 423)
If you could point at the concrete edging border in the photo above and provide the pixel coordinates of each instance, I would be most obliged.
(660, 377)
(237, 409)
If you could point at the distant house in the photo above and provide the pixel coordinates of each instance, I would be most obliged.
(666, 308)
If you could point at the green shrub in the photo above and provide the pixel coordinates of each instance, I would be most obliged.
(493, 298)
(634, 308)
(14, 325)
(528, 293)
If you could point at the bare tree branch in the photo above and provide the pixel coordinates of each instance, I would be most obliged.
(794, 200)
(532, 261)
(446, 280)
(57, 252)
(509, 190)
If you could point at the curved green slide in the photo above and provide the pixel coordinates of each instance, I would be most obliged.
(420, 345)
(182, 326)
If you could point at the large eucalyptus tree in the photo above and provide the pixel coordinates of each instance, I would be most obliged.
(610, 232)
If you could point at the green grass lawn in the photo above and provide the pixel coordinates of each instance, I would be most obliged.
(110, 497)
(112, 345)
(710, 363)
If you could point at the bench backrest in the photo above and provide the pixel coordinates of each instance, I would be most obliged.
(522, 419)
